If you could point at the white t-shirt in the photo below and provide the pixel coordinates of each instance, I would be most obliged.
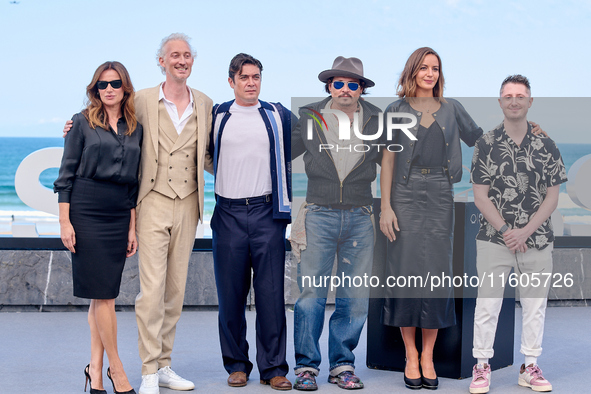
(244, 165)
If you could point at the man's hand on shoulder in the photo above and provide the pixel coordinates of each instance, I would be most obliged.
(67, 127)
(537, 130)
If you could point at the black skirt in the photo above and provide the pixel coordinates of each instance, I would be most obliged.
(100, 214)
(423, 248)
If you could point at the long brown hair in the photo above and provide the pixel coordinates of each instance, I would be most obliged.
(95, 110)
(407, 84)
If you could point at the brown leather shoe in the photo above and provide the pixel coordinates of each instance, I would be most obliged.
(237, 379)
(278, 383)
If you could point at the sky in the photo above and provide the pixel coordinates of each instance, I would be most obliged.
(52, 47)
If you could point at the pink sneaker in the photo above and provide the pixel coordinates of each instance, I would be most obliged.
(480, 379)
(531, 376)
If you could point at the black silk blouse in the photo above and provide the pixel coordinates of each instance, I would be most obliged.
(100, 155)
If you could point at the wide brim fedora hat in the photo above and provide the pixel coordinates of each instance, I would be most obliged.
(350, 67)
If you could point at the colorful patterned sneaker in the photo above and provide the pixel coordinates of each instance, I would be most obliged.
(346, 380)
(531, 376)
(306, 381)
(480, 379)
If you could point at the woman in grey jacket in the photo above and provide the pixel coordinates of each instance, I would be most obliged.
(417, 208)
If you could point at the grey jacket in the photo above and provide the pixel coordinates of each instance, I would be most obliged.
(324, 185)
(455, 123)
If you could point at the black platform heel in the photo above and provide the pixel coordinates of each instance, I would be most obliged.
(132, 391)
(413, 384)
(429, 384)
(92, 391)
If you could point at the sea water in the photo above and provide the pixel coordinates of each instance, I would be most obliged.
(14, 149)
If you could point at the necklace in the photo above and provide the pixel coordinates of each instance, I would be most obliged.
(429, 108)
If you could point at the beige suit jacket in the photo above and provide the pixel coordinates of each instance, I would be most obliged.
(146, 107)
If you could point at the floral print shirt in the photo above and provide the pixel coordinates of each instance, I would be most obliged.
(519, 177)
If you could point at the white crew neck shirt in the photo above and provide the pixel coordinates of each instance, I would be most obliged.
(244, 165)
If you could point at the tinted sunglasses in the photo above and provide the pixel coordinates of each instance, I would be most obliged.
(338, 85)
(116, 84)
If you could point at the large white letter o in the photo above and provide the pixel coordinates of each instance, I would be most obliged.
(579, 184)
(26, 181)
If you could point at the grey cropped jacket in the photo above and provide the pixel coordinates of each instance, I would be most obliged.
(455, 123)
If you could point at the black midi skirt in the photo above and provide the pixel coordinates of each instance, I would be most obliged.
(422, 249)
(100, 214)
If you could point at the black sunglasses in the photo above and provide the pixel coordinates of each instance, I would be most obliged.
(116, 84)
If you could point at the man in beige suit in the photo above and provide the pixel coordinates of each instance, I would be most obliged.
(176, 121)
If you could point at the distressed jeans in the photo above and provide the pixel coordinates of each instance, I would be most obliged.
(347, 235)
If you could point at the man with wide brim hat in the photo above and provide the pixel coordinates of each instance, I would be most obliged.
(350, 67)
(337, 224)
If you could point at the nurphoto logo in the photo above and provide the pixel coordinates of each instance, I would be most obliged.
(345, 130)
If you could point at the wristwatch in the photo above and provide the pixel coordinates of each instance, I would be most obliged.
(503, 229)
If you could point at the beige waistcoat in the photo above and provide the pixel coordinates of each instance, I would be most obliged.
(176, 174)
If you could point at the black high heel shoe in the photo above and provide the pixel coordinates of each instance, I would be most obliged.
(92, 391)
(429, 384)
(413, 384)
(132, 391)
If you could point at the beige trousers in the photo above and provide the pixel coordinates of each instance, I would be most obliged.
(494, 262)
(166, 233)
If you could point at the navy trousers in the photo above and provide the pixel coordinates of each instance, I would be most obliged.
(245, 237)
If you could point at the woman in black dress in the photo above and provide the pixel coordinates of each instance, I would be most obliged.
(97, 186)
(417, 202)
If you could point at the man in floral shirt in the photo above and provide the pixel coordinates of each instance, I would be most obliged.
(516, 178)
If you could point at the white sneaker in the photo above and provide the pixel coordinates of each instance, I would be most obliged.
(150, 384)
(168, 378)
